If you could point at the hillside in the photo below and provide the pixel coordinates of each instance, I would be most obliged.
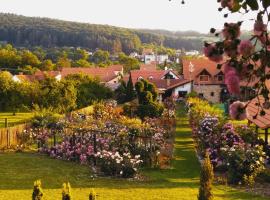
(34, 31)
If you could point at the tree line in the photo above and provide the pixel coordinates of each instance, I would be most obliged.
(73, 92)
(29, 60)
(33, 31)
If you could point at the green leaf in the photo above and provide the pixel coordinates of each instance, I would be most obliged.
(253, 4)
(266, 3)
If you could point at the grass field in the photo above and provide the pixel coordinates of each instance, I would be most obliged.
(14, 119)
(181, 182)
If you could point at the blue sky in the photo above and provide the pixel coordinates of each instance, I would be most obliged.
(199, 15)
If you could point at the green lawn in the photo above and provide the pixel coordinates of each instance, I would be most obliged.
(14, 119)
(18, 171)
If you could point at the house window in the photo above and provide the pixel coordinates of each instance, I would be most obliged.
(150, 77)
(140, 78)
(201, 95)
(212, 94)
(220, 78)
(204, 78)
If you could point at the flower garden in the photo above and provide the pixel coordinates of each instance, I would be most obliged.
(235, 150)
(131, 158)
(111, 143)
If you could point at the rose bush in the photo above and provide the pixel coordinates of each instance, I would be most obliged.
(234, 150)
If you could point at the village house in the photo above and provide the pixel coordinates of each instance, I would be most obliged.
(208, 81)
(110, 75)
(167, 82)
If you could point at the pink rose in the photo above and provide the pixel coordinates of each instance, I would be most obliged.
(232, 81)
(231, 31)
(259, 28)
(245, 48)
(238, 111)
(212, 52)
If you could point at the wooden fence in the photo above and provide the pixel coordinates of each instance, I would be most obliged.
(9, 137)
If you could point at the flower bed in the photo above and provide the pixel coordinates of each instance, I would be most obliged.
(113, 144)
(235, 151)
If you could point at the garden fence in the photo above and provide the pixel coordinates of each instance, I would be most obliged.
(75, 137)
(9, 136)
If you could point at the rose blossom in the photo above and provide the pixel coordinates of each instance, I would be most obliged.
(259, 28)
(232, 81)
(231, 31)
(245, 48)
(238, 111)
(212, 53)
(227, 67)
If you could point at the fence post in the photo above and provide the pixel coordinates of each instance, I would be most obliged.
(151, 151)
(95, 147)
(54, 138)
(6, 122)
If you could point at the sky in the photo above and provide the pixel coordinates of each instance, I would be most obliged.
(198, 15)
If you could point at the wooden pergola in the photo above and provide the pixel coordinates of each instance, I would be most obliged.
(261, 121)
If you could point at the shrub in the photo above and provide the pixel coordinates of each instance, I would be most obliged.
(37, 191)
(44, 117)
(243, 161)
(150, 110)
(66, 191)
(192, 94)
(114, 164)
(93, 195)
(248, 134)
(130, 109)
(207, 176)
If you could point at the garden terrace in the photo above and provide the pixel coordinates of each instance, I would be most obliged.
(261, 121)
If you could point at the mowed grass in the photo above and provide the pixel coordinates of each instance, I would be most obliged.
(181, 182)
(18, 118)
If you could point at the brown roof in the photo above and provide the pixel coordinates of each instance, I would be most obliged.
(149, 74)
(151, 67)
(201, 65)
(168, 83)
(104, 74)
(254, 116)
(155, 77)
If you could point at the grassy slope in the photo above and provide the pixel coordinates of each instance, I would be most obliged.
(12, 120)
(18, 171)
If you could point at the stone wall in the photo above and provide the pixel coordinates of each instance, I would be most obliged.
(210, 92)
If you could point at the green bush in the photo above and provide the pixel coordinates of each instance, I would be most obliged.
(192, 94)
(93, 195)
(66, 192)
(44, 117)
(152, 109)
(207, 176)
(37, 191)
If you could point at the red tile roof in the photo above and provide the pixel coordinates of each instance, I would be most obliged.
(155, 77)
(200, 65)
(104, 74)
(151, 67)
(149, 74)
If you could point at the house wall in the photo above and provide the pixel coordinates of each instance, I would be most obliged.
(206, 90)
(149, 58)
(183, 88)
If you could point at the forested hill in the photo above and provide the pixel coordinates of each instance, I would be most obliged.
(24, 31)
